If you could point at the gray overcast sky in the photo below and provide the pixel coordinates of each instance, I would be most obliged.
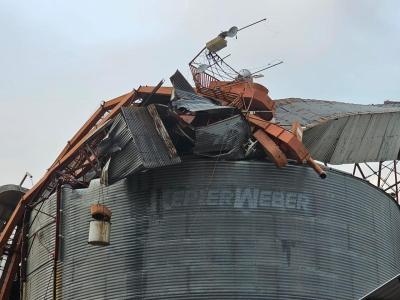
(60, 59)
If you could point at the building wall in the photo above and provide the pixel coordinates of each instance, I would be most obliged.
(228, 230)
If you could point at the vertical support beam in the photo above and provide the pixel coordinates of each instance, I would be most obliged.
(395, 180)
(24, 249)
(379, 174)
(360, 170)
(57, 238)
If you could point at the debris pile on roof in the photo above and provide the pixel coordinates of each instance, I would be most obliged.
(162, 133)
(159, 134)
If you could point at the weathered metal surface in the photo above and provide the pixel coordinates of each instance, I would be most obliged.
(293, 147)
(344, 133)
(179, 82)
(162, 131)
(388, 291)
(100, 212)
(311, 112)
(354, 139)
(225, 138)
(270, 147)
(229, 230)
(99, 233)
(68, 161)
(41, 246)
(142, 146)
(186, 101)
(254, 96)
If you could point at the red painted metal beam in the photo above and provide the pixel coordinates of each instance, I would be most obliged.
(162, 91)
(92, 121)
(57, 166)
(11, 269)
(105, 112)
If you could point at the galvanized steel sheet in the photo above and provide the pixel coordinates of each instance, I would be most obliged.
(40, 245)
(230, 230)
(223, 138)
(344, 133)
(142, 146)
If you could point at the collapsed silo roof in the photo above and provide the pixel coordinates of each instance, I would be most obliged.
(340, 133)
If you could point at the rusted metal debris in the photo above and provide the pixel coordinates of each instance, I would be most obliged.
(226, 117)
(159, 134)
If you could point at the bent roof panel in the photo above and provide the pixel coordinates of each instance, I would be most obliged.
(340, 133)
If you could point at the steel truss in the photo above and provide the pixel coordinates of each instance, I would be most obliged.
(76, 160)
(385, 175)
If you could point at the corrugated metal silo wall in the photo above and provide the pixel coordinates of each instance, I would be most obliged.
(40, 246)
(231, 230)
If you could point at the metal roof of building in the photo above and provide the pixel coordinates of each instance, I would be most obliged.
(338, 133)
(388, 291)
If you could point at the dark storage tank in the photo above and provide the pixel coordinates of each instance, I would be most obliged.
(10, 194)
(221, 230)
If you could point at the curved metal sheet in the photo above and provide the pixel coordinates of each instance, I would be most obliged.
(142, 146)
(230, 230)
(340, 133)
(225, 138)
(41, 242)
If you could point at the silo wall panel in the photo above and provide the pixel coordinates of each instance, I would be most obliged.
(231, 230)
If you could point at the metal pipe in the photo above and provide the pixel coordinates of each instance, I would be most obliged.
(395, 180)
(317, 168)
(57, 238)
(379, 174)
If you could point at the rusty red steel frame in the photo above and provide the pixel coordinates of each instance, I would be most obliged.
(69, 151)
(11, 266)
(78, 156)
(255, 104)
(69, 164)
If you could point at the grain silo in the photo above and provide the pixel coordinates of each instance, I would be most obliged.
(212, 192)
(221, 230)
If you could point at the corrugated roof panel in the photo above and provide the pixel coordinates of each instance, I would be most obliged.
(321, 140)
(179, 82)
(391, 141)
(228, 135)
(143, 146)
(344, 133)
(359, 129)
(313, 112)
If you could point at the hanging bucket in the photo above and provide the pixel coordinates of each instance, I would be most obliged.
(100, 226)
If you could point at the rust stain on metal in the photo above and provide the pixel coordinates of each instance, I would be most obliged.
(162, 131)
(212, 104)
(271, 148)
